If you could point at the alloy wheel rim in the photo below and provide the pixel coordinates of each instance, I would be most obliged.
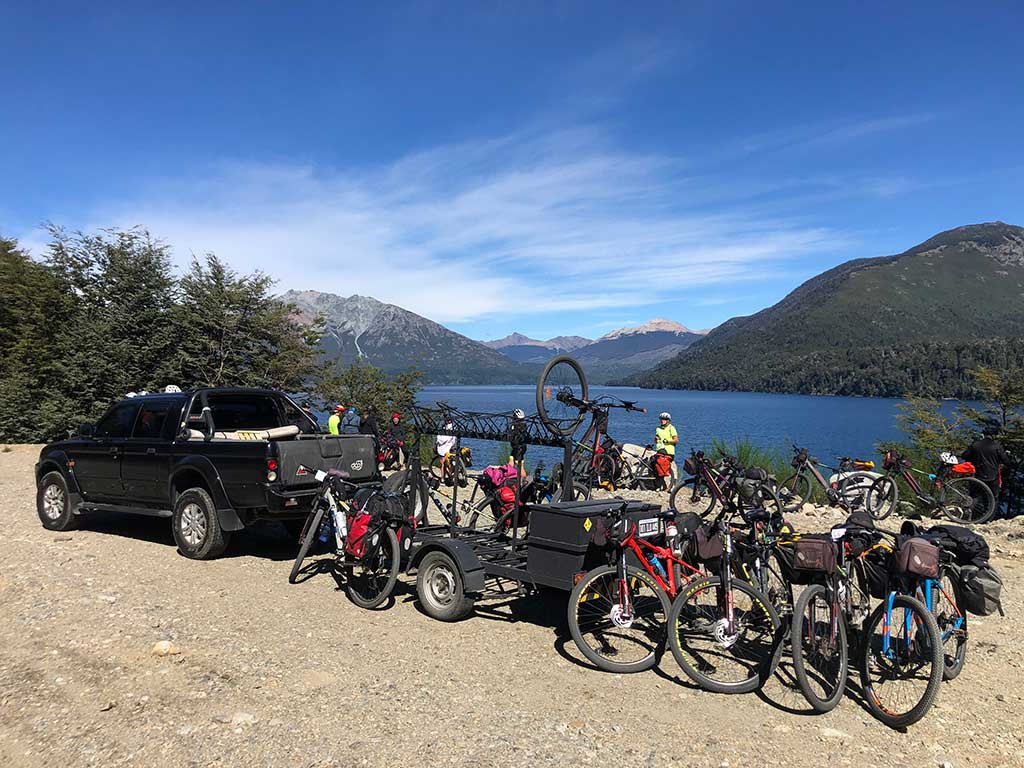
(193, 524)
(53, 501)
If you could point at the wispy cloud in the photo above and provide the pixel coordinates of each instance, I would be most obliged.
(528, 222)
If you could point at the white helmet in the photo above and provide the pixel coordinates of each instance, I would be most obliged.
(665, 415)
(948, 458)
(171, 389)
(518, 413)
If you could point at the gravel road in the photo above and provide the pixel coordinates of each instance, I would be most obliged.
(263, 673)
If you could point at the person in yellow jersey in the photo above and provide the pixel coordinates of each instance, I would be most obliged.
(334, 421)
(665, 440)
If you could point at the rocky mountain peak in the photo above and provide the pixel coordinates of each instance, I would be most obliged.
(657, 325)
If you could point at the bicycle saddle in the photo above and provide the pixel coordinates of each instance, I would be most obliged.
(339, 473)
(759, 515)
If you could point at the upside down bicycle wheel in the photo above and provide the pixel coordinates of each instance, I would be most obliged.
(618, 635)
(560, 388)
(720, 658)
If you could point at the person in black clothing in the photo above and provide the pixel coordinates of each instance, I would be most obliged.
(988, 457)
(368, 426)
(395, 436)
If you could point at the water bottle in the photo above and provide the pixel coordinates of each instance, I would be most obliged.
(340, 526)
(656, 564)
(672, 537)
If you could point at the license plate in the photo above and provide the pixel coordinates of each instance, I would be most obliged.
(649, 527)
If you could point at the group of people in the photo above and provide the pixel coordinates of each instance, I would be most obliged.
(348, 421)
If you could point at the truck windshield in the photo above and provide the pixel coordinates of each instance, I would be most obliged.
(235, 411)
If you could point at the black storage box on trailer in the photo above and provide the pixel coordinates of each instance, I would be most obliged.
(568, 537)
(354, 454)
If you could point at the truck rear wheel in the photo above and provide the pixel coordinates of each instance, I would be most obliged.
(441, 590)
(196, 526)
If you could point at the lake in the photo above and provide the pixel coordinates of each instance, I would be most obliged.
(827, 426)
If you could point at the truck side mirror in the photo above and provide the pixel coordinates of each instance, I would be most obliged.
(86, 430)
(208, 428)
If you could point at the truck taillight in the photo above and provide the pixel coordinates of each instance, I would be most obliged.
(271, 465)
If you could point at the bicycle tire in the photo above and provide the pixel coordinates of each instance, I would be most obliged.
(698, 493)
(763, 617)
(853, 490)
(376, 591)
(803, 666)
(309, 535)
(927, 650)
(981, 497)
(561, 425)
(599, 598)
(795, 491)
(954, 652)
(603, 470)
(882, 497)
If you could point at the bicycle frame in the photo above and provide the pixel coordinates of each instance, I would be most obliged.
(637, 546)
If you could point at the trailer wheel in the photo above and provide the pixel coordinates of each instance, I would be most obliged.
(440, 588)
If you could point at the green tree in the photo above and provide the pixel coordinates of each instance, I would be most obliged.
(232, 332)
(367, 388)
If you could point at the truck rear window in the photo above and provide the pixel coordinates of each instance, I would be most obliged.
(232, 412)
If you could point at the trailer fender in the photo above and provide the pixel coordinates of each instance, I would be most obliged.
(470, 567)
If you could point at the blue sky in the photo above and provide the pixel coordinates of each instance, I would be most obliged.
(549, 168)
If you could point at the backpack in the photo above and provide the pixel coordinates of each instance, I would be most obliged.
(663, 465)
(498, 476)
(966, 546)
(979, 590)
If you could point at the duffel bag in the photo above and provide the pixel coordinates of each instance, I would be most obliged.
(980, 590)
(815, 554)
(709, 544)
(916, 556)
(966, 546)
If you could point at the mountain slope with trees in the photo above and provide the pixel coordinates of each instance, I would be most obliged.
(918, 322)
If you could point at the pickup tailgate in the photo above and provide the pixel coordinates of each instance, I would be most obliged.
(354, 454)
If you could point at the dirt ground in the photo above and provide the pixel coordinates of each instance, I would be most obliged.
(273, 674)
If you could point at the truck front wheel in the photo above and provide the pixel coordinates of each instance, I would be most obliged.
(196, 526)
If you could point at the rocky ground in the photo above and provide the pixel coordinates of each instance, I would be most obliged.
(115, 650)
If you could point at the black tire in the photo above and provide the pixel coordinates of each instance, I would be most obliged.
(695, 646)
(918, 659)
(53, 503)
(482, 509)
(882, 498)
(700, 496)
(794, 491)
(853, 490)
(560, 372)
(967, 500)
(945, 607)
(603, 471)
(309, 534)
(593, 605)
(440, 588)
(416, 500)
(370, 580)
(196, 526)
(821, 665)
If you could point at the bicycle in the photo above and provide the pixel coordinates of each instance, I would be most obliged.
(617, 610)
(848, 491)
(724, 485)
(451, 468)
(700, 494)
(364, 527)
(898, 646)
(638, 471)
(962, 499)
(724, 632)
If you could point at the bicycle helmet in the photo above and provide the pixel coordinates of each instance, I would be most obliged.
(518, 413)
(396, 415)
(665, 415)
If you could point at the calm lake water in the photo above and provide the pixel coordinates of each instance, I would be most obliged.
(827, 426)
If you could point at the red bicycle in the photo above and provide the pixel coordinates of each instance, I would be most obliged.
(617, 612)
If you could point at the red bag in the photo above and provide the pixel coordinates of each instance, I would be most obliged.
(358, 524)
(663, 465)
(963, 468)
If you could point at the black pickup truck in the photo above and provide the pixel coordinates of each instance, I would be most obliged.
(212, 460)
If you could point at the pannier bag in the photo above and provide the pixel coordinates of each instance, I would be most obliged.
(963, 468)
(875, 565)
(917, 556)
(690, 466)
(751, 482)
(966, 546)
(800, 458)
(709, 544)
(980, 590)
(663, 464)
(814, 555)
(687, 524)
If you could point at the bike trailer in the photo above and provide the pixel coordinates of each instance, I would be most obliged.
(571, 537)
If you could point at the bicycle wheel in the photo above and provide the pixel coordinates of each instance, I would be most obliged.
(952, 624)
(902, 661)
(371, 578)
(853, 490)
(694, 494)
(482, 514)
(794, 491)
(561, 384)
(967, 500)
(603, 471)
(610, 635)
(819, 648)
(882, 497)
(310, 532)
(717, 659)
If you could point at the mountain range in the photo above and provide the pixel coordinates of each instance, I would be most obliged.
(916, 322)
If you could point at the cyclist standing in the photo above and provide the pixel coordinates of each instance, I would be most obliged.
(989, 458)
(334, 420)
(395, 437)
(444, 445)
(665, 440)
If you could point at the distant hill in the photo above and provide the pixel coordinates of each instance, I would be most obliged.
(916, 322)
(526, 350)
(394, 339)
(627, 350)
